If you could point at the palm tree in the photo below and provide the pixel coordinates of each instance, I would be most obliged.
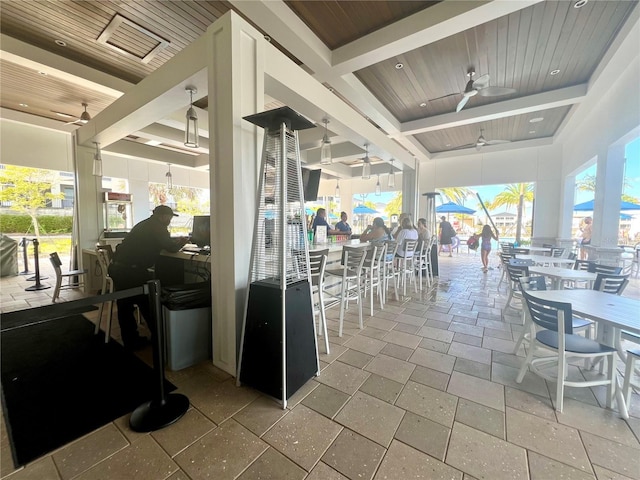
(455, 194)
(514, 194)
(588, 184)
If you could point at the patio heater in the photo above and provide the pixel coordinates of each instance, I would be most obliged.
(432, 227)
(278, 351)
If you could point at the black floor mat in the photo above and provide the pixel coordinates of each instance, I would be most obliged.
(60, 381)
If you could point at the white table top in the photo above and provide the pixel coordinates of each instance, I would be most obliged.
(337, 246)
(544, 259)
(563, 273)
(619, 312)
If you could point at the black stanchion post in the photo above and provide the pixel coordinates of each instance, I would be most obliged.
(38, 285)
(25, 259)
(165, 409)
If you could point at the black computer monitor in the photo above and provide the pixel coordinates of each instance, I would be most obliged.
(201, 232)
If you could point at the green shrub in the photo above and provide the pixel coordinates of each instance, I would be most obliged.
(21, 224)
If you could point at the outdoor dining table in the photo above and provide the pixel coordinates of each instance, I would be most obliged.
(538, 249)
(544, 260)
(559, 275)
(612, 313)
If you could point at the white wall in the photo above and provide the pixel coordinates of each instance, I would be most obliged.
(37, 147)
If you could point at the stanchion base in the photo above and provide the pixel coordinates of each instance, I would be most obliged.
(26, 272)
(151, 416)
(37, 287)
(33, 279)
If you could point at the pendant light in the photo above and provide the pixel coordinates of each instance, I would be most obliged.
(391, 181)
(169, 178)
(325, 151)
(97, 161)
(191, 130)
(378, 191)
(337, 194)
(366, 165)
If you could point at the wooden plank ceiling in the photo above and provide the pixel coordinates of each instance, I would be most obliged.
(518, 50)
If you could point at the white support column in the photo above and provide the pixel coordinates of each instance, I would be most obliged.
(236, 89)
(606, 214)
(88, 199)
(409, 204)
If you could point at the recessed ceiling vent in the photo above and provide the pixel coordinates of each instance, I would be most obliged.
(132, 40)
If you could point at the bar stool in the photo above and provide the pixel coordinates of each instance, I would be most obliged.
(389, 271)
(104, 254)
(351, 276)
(317, 264)
(405, 263)
(373, 273)
(423, 262)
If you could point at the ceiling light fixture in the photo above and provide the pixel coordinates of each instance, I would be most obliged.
(84, 116)
(97, 161)
(580, 3)
(536, 120)
(24, 105)
(366, 163)
(399, 66)
(169, 178)
(44, 74)
(337, 194)
(191, 131)
(61, 43)
(391, 181)
(63, 115)
(423, 104)
(378, 189)
(325, 151)
(554, 72)
(532, 131)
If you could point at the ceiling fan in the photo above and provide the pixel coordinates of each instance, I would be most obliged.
(480, 86)
(481, 142)
(81, 120)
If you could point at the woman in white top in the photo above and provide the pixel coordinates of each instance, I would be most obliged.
(407, 232)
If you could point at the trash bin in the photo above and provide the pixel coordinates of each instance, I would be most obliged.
(187, 322)
(8, 256)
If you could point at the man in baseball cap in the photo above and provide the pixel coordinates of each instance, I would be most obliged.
(132, 259)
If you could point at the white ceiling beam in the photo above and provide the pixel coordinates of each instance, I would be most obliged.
(422, 28)
(517, 106)
(341, 151)
(62, 68)
(140, 151)
(158, 95)
(170, 136)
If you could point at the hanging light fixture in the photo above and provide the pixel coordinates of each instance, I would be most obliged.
(97, 161)
(392, 177)
(366, 165)
(337, 187)
(169, 178)
(378, 191)
(191, 130)
(325, 151)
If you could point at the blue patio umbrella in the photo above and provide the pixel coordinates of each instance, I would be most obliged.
(309, 211)
(588, 206)
(451, 207)
(363, 210)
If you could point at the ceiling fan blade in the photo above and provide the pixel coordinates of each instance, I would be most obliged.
(482, 81)
(495, 91)
(444, 96)
(461, 147)
(496, 142)
(462, 103)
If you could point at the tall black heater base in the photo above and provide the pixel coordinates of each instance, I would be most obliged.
(263, 366)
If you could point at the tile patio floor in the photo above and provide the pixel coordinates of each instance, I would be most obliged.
(426, 391)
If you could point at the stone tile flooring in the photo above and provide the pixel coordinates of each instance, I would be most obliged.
(426, 391)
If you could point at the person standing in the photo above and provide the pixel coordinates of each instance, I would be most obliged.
(342, 225)
(132, 259)
(586, 228)
(321, 221)
(485, 246)
(446, 234)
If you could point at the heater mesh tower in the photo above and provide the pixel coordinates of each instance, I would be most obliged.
(279, 352)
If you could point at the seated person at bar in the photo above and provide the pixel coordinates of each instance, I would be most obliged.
(342, 225)
(377, 232)
(138, 251)
(321, 220)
